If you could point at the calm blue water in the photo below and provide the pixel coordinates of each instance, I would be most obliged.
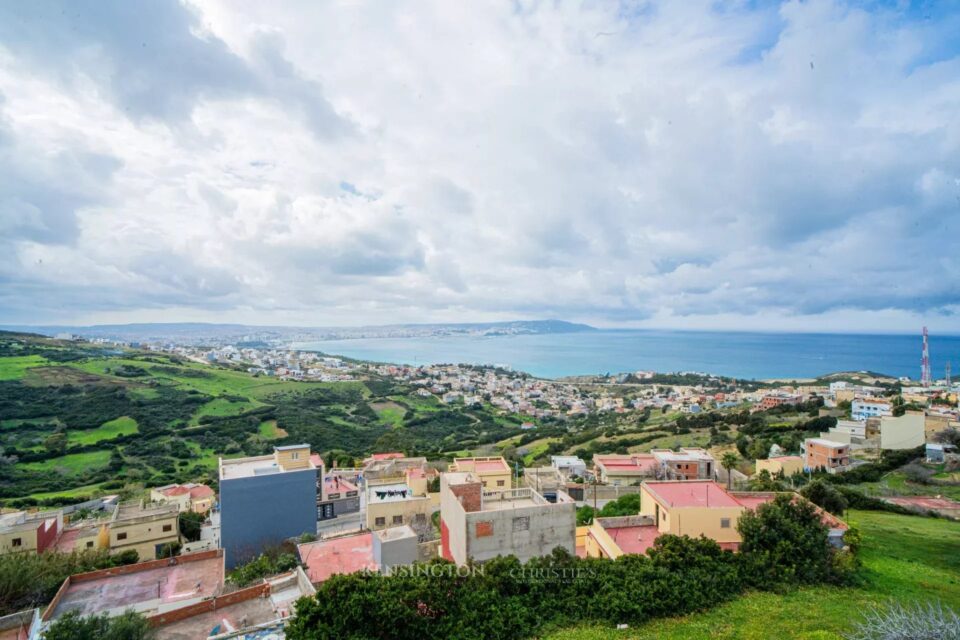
(743, 355)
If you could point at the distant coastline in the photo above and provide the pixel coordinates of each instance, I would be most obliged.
(746, 355)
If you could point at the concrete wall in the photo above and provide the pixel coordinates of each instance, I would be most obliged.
(905, 432)
(396, 547)
(407, 510)
(258, 511)
(788, 466)
(493, 533)
(143, 537)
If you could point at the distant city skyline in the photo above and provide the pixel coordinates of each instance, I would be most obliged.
(705, 166)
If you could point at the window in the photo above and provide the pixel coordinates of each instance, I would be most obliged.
(724, 523)
(294, 455)
(420, 518)
(89, 544)
(168, 527)
(397, 519)
(522, 523)
(122, 536)
(500, 483)
(380, 522)
(16, 542)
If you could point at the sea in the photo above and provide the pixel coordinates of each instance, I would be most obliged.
(752, 356)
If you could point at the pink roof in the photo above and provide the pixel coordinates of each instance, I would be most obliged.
(332, 484)
(386, 456)
(637, 462)
(316, 459)
(201, 491)
(175, 490)
(752, 502)
(348, 554)
(490, 465)
(691, 494)
(634, 539)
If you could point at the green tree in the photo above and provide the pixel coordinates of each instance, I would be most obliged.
(729, 461)
(126, 626)
(56, 443)
(190, 525)
(785, 542)
(825, 496)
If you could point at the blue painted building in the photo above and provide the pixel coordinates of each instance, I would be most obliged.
(265, 500)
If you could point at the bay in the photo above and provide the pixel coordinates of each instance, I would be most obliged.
(738, 354)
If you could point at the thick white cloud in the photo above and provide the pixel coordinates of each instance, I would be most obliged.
(693, 164)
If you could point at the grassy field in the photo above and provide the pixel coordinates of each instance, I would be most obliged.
(14, 368)
(907, 558)
(224, 407)
(120, 427)
(269, 430)
(389, 413)
(896, 483)
(71, 464)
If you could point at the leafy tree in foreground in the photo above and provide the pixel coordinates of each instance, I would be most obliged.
(73, 626)
(785, 542)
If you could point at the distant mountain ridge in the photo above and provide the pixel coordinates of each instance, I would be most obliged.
(201, 330)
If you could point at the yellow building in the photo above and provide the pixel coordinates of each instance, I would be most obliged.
(145, 530)
(787, 465)
(493, 472)
(22, 532)
(394, 504)
(693, 508)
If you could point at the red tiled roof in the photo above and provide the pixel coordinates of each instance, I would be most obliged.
(176, 490)
(201, 491)
(386, 456)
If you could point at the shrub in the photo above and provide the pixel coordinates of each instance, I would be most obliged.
(73, 626)
(825, 496)
(784, 542)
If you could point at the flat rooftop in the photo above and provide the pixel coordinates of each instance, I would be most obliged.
(157, 584)
(255, 466)
(347, 554)
(134, 511)
(640, 463)
(511, 499)
(691, 494)
(482, 465)
(823, 442)
(233, 617)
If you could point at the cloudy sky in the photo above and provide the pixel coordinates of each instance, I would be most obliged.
(689, 164)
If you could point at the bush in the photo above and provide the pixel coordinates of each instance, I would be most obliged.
(508, 600)
(825, 496)
(73, 626)
(270, 563)
(785, 543)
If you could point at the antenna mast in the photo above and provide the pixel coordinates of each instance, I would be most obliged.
(925, 362)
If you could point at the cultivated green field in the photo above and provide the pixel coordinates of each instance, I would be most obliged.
(906, 558)
(14, 367)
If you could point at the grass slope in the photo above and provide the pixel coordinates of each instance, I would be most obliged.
(907, 558)
(108, 430)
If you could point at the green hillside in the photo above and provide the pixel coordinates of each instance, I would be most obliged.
(77, 419)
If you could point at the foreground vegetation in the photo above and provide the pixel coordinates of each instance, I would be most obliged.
(904, 558)
(784, 544)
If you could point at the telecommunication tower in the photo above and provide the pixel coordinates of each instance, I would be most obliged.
(947, 373)
(925, 362)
